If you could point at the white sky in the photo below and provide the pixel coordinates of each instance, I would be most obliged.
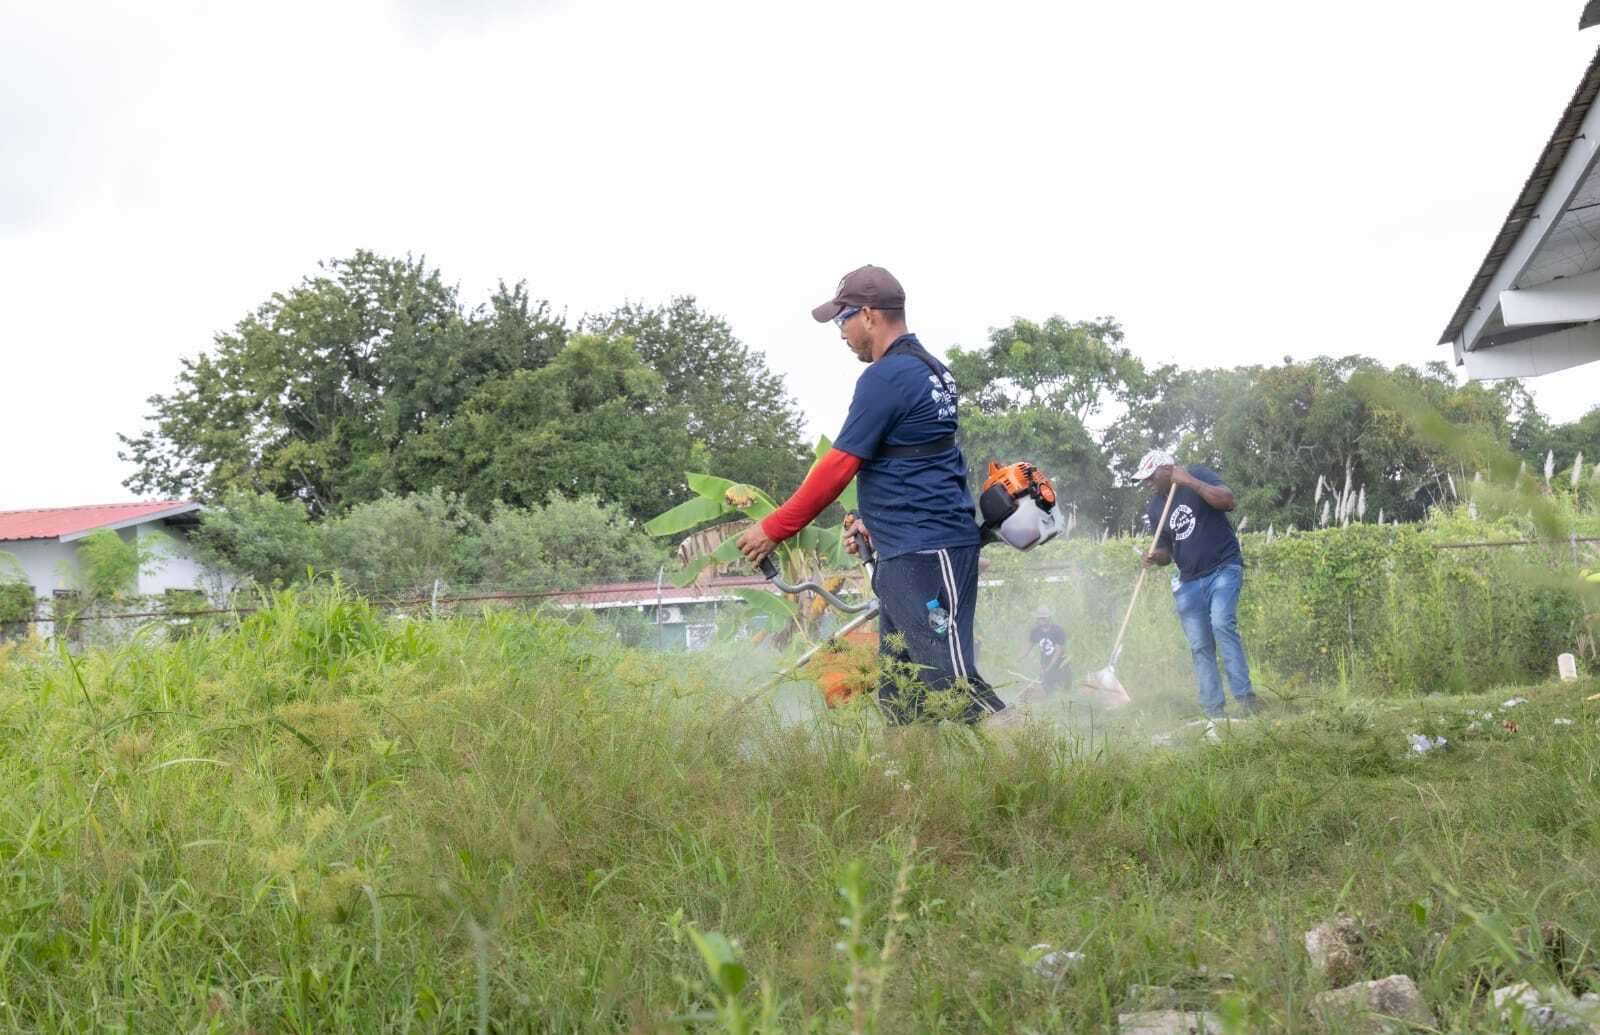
(1236, 181)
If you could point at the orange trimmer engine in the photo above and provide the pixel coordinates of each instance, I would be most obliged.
(1018, 506)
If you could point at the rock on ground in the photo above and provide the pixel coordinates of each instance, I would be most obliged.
(1548, 1010)
(1335, 949)
(1168, 1022)
(1376, 1006)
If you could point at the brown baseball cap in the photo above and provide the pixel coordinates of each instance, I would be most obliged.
(871, 286)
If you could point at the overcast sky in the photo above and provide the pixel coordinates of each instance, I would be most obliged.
(1235, 181)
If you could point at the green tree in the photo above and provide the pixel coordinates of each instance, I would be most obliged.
(1535, 436)
(399, 545)
(1074, 368)
(1302, 423)
(594, 421)
(1031, 393)
(739, 417)
(565, 543)
(1172, 409)
(108, 565)
(1177, 409)
(255, 537)
(314, 394)
(17, 599)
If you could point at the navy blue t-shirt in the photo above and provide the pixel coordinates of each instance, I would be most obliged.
(909, 504)
(1199, 535)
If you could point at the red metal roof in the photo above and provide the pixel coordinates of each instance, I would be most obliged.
(54, 522)
(629, 593)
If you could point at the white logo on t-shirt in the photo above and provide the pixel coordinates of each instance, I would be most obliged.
(944, 395)
(1047, 647)
(1181, 522)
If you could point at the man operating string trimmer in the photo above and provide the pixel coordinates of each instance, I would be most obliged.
(899, 439)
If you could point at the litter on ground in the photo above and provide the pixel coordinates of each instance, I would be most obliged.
(1421, 743)
(1053, 963)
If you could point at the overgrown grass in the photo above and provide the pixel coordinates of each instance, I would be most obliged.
(328, 821)
(1367, 609)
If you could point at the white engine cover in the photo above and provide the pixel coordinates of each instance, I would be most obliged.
(1030, 525)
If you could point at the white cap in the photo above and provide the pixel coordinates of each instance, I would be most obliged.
(1152, 460)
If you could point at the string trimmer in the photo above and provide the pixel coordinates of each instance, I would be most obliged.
(1105, 680)
(1017, 506)
(863, 610)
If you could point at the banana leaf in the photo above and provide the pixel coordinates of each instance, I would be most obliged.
(689, 514)
(754, 503)
(781, 611)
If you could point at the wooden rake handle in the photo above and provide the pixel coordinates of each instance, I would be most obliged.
(1116, 647)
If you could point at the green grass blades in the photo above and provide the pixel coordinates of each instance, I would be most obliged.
(327, 820)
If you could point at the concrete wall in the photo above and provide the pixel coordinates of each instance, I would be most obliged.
(40, 560)
(174, 567)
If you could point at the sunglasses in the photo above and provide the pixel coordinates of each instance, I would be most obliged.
(844, 317)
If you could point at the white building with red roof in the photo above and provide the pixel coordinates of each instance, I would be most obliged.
(45, 542)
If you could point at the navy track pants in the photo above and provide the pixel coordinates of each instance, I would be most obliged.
(926, 602)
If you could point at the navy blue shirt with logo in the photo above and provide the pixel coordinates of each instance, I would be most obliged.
(1199, 535)
(908, 503)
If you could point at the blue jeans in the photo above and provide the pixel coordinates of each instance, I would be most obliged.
(1209, 609)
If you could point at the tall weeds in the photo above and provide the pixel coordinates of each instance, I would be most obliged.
(330, 821)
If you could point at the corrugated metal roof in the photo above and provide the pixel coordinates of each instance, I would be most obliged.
(55, 522)
(1555, 151)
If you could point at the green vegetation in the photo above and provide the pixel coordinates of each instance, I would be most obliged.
(17, 599)
(398, 546)
(108, 565)
(324, 819)
(1381, 608)
(375, 378)
(719, 504)
(329, 821)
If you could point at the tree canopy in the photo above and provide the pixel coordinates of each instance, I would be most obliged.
(372, 381)
(373, 377)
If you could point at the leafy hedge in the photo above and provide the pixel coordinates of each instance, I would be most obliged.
(16, 602)
(1382, 607)
(1387, 604)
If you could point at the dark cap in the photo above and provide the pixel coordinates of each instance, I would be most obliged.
(871, 286)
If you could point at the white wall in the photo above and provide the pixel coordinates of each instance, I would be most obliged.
(39, 558)
(173, 568)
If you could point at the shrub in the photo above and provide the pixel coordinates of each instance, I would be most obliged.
(109, 565)
(255, 537)
(1384, 604)
(17, 602)
(400, 545)
(565, 543)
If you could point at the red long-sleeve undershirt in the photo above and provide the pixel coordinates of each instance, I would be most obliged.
(821, 487)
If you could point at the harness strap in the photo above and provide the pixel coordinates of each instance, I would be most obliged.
(938, 445)
(921, 449)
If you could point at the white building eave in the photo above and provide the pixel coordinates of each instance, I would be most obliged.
(158, 515)
(1522, 313)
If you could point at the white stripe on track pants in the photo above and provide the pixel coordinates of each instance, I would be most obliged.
(927, 599)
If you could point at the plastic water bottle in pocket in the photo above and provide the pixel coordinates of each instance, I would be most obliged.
(938, 618)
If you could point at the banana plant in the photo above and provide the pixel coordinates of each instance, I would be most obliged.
(810, 553)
